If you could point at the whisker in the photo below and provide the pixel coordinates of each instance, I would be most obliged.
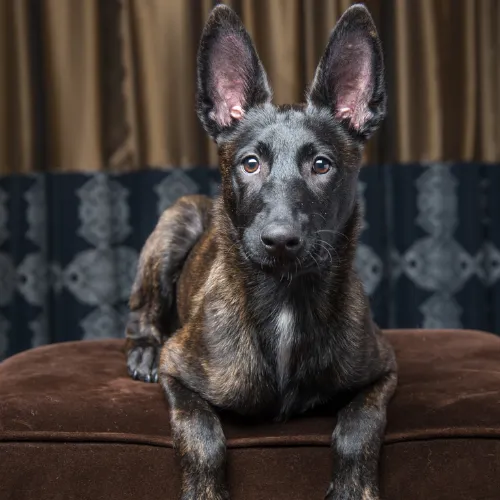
(317, 213)
(332, 232)
(312, 257)
(326, 249)
(328, 244)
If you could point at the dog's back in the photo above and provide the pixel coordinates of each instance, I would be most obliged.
(154, 312)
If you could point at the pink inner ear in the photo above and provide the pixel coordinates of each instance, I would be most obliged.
(230, 68)
(353, 85)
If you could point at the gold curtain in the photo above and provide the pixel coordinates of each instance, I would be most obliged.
(110, 84)
(444, 80)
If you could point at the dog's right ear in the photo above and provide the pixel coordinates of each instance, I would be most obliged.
(231, 78)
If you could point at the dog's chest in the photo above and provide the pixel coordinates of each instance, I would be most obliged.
(300, 358)
(287, 329)
(265, 366)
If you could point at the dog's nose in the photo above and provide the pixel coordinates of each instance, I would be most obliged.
(281, 240)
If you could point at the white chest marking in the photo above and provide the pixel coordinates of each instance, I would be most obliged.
(285, 325)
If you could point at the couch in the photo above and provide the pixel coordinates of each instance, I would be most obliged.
(73, 425)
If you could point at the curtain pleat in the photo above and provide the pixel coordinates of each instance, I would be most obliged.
(445, 61)
(110, 84)
(16, 112)
(489, 84)
(72, 76)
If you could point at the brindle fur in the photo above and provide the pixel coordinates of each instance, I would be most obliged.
(246, 335)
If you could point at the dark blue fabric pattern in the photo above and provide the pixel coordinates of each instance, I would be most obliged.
(429, 254)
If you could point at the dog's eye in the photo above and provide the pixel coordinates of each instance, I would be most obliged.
(251, 165)
(321, 165)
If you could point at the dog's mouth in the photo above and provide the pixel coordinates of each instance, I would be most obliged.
(313, 261)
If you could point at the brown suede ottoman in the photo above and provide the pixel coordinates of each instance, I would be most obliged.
(73, 425)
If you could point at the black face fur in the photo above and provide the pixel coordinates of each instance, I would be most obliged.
(289, 173)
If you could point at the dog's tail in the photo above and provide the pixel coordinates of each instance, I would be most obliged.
(153, 312)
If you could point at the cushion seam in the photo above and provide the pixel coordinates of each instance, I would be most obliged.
(233, 444)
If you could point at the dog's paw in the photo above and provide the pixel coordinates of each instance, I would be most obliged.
(350, 493)
(142, 363)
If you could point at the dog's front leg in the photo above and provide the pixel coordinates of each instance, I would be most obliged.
(199, 441)
(356, 442)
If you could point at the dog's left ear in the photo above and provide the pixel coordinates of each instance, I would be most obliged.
(349, 79)
(231, 78)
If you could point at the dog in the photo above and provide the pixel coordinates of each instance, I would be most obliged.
(250, 303)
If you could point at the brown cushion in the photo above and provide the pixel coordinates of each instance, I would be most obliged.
(73, 425)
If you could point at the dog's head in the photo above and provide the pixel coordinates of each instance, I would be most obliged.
(289, 173)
